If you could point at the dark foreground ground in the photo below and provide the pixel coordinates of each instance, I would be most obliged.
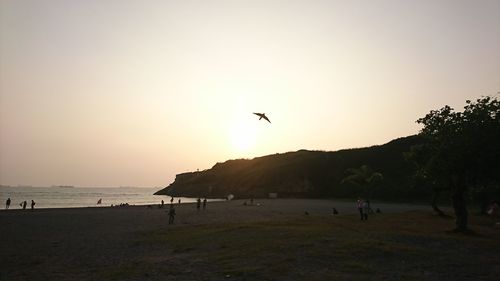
(272, 240)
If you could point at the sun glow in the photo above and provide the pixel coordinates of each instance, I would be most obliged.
(243, 134)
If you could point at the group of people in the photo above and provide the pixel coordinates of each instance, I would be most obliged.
(162, 205)
(120, 205)
(198, 204)
(251, 202)
(172, 213)
(22, 204)
(364, 208)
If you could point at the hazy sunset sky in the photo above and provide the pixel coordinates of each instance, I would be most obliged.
(130, 93)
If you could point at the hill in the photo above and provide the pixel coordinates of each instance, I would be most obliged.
(311, 174)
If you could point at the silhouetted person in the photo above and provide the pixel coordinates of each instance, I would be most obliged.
(172, 199)
(204, 203)
(493, 208)
(99, 202)
(24, 205)
(366, 209)
(179, 200)
(198, 204)
(359, 204)
(335, 212)
(162, 203)
(7, 203)
(33, 204)
(370, 210)
(171, 214)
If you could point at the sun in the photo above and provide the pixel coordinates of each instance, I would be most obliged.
(243, 134)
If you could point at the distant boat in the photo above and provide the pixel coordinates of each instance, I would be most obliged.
(65, 186)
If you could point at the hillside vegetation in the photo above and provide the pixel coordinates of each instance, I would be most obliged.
(304, 173)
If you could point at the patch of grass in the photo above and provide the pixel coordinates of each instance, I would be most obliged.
(142, 269)
(127, 271)
(358, 267)
(410, 246)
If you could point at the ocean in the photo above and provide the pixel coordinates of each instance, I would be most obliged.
(75, 197)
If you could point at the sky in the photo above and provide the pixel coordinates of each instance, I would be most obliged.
(131, 93)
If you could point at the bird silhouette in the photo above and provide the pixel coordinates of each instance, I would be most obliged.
(262, 115)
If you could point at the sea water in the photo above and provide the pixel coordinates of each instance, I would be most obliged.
(74, 197)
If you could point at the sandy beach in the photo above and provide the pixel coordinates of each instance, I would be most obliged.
(74, 244)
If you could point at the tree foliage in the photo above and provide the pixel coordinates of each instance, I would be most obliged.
(462, 150)
(464, 143)
(363, 176)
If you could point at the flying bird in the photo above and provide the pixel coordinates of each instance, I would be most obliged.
(262, 115)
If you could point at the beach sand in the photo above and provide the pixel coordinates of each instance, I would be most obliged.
(76, 244)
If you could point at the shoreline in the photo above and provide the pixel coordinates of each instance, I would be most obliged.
(154, 205)
(344, 202)
(260, 208)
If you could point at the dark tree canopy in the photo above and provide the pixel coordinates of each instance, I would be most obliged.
(365, 177)
(462, 151)
(465, 143)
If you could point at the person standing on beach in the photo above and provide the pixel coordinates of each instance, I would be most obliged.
(359, 204)
(24, 204)
(204, 203)
(369, 207)
(366, 209)
(7, 203)
(198, 203)
(162, 203)
(33, 204)
(171, 214)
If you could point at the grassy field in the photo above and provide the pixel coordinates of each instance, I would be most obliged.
(405, 246)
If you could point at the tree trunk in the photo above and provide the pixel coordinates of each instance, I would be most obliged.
(460, 207)
(435, 195)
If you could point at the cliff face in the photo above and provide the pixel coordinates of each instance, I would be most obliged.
(300, 174)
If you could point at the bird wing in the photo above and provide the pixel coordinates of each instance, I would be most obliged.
(262, 115)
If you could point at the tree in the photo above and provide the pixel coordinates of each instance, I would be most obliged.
(363, 176)
(462, 151)
(417, 156)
